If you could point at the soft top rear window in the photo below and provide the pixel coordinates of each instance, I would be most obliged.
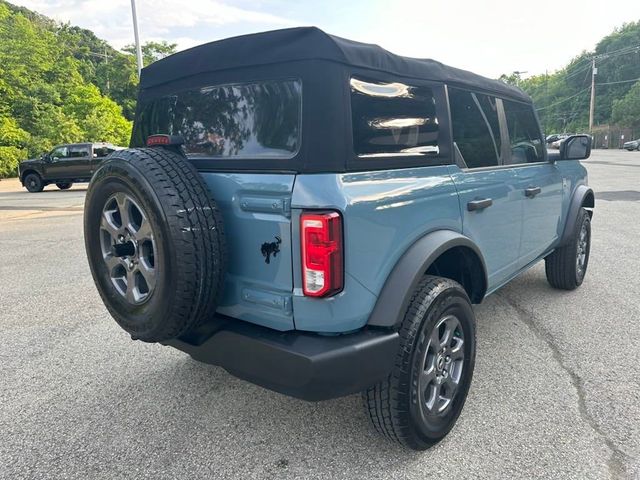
(249, 120)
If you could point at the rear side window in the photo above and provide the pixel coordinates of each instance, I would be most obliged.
(524, 133)
(393, 119)
(472, 135)
(244, 120)
(78, 151)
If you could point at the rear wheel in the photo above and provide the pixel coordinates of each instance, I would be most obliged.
(64, 186)
(155, 243)
(423, 396)
(33, 183)
(567, 266)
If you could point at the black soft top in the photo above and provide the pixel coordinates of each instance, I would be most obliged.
(310, 43)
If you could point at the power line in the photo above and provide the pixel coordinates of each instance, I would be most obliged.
(621, 51)
(564, 100)
(621, 81)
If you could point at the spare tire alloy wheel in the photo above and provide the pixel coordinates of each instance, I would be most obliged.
(155, 243)
(127, 245)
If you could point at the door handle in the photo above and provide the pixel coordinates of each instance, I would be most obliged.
(532, 191)
(480, 204)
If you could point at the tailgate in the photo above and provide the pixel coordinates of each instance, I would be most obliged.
(257, 221)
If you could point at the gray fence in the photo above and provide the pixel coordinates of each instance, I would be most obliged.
(613, 137)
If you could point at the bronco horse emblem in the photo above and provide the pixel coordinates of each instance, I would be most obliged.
(268, 249)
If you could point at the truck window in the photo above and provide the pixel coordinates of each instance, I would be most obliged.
(393, 119)
(78, 151)
(527, 145)
(251, 120)
(472, 135)
(60, 152)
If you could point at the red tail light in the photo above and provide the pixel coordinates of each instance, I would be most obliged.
(322, 254)
(174, 140)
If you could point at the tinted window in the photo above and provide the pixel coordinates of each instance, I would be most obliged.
(248, 120)
(471, 133)
(59, 152)
(524, 133)
(490, 110)
(78, 151)
(393, 119)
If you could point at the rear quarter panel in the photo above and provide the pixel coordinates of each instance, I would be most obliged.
(384, 212)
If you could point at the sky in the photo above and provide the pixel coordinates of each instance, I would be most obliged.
(486, 37)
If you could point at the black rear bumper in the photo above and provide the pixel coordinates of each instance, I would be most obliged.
(303, 365)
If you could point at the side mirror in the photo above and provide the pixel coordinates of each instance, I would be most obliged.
(575, 147)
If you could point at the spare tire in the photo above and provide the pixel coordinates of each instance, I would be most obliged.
(155, 243)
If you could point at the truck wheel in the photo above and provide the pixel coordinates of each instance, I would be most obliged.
(155, 243)
(64, 186)
(567, 266)
(423, 396)
(33, 182)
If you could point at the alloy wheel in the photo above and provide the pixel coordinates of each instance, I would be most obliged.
(442, 364)
(583, 248)
(128, 248)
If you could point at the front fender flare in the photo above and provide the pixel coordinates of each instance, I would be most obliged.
(582, 196)
(396, 293)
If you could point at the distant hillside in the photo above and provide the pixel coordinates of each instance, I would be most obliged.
(59, 84)
(563, 97)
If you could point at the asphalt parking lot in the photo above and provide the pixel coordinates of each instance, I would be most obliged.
(556, 392)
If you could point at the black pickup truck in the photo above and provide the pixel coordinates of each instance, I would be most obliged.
(64, 165)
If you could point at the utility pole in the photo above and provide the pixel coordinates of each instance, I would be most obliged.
(137, 37)
(592, 105)
(106, 60)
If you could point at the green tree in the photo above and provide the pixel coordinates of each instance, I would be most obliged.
(49, 92)
(626, 111)
(153, 51)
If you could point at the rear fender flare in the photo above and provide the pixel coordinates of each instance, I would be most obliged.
(396, 293)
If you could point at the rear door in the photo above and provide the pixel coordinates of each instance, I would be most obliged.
(488, 191)
(80, 161)
(539, 181)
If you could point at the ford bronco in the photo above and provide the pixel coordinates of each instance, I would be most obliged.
(317, 216)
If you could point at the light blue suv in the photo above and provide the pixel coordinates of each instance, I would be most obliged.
(318, 216)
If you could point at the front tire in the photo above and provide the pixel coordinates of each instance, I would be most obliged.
(64, 186)
(420, 401)
(566, 267)
(33, 183)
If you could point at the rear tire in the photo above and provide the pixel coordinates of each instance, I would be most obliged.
(155, 243)
(419, 403)
(567, 266)
(33, 183)
(64, 186)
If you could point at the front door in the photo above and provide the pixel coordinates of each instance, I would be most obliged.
(487, 191)
(539, 182)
